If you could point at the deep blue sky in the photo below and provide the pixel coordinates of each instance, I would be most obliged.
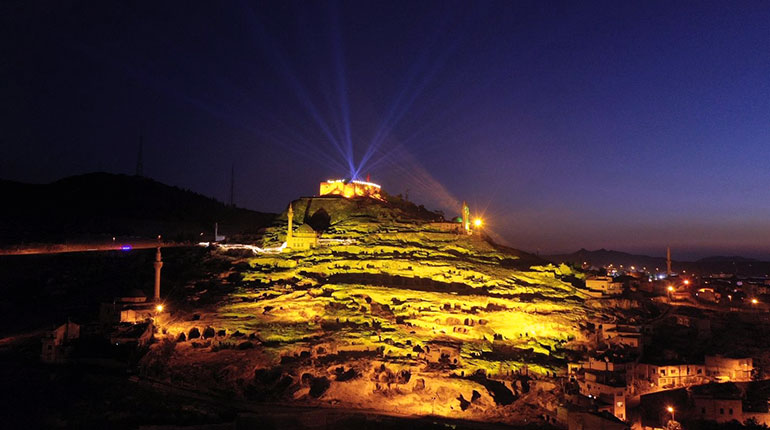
(624, 125)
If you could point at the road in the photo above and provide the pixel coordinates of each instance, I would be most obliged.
(60, 248)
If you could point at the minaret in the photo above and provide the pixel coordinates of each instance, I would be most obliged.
(466, 215)
(668, 261)
(158, 264)
(290, 217)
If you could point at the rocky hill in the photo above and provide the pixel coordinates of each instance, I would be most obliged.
(392, 312)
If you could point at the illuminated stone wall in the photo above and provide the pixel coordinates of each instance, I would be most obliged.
(350, 189)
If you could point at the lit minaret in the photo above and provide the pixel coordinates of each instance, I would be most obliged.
(158, 264)
(668, 261)
(466, 216)
(290, 217)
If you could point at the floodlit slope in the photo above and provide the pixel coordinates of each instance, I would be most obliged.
(410, 312)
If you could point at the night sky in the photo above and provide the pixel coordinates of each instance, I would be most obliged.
(623, 125)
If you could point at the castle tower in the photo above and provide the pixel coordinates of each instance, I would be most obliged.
(290, 217)
(466, 215)
(158, 264)
(668, 261)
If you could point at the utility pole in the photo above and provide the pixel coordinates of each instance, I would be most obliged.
(139, 158)
(232, 185)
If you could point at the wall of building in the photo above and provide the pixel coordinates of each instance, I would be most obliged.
(671, 375)
(719, 410)
(732, 369)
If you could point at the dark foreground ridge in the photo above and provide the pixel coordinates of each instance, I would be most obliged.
(95, 206)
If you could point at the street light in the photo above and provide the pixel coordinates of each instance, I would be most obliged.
(477, 222)
(754, 301)
(159, 308)
(670, 410)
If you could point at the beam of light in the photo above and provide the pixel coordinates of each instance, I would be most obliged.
(451, 103)
(410, 90)
(269, 45)
(419, 76)
(291, 139)
(393, 118)
(426, 145)
(422, 182)
(342, 89)
(401, 162)
(299, 144)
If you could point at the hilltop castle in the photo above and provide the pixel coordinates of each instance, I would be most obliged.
(350, 188)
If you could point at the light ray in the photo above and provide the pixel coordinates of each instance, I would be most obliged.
(268, 44)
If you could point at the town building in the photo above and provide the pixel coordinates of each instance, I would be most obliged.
(132, 307)
(58, 343)
(717, 402)
(606, 378)
(623, 335)
(669, 375)
(604, 285)
(729, 369)
(732, 401)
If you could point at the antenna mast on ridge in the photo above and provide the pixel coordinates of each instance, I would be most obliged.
(139, 158)
(232, 185)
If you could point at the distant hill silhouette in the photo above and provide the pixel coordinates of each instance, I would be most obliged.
(604, 257)
(704, 266)
(99, 205)
(723, 259)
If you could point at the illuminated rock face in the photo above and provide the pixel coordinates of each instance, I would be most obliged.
(407, 315)
(350, 188)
